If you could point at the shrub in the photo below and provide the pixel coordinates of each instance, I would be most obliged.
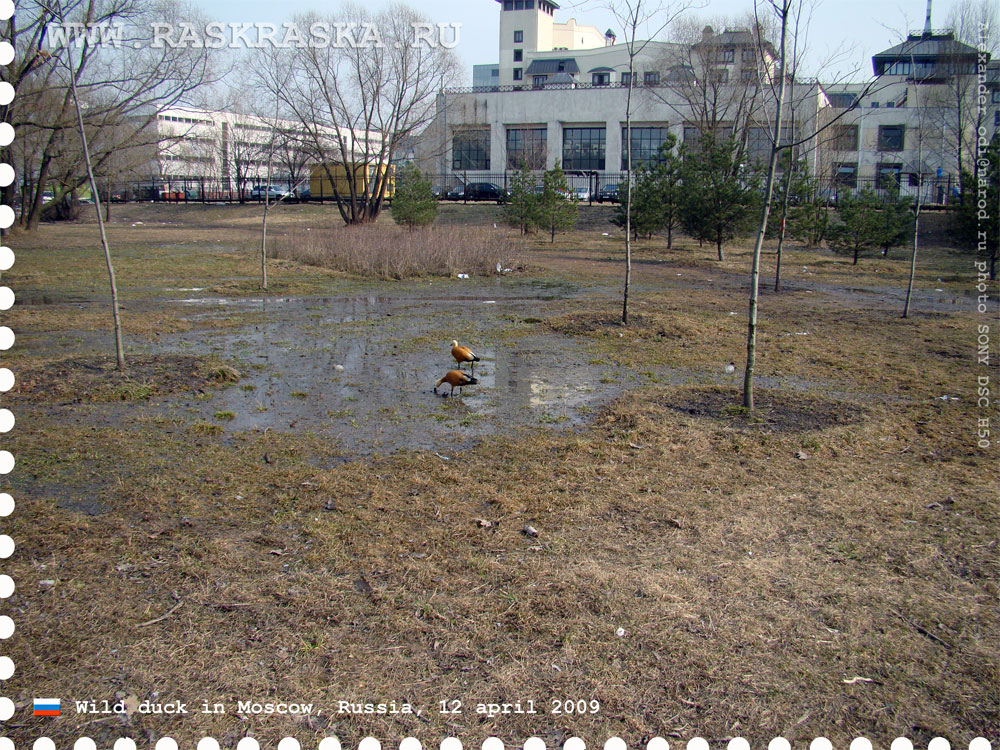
(521, 210)
(556, 211)
(414, 204)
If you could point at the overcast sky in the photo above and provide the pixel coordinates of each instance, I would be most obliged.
(844, 34)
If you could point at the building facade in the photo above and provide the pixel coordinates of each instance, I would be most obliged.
(559, 93)
(227, 153)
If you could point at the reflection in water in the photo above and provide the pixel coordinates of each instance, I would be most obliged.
(349, 369)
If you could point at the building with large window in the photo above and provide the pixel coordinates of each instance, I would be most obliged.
(199, 150)
(559, 93)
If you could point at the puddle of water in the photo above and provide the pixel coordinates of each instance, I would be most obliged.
(392, 350)
(360, 370)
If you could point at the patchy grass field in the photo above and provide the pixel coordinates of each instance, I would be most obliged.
(826, 565)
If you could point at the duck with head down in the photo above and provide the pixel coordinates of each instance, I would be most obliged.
(456, 379)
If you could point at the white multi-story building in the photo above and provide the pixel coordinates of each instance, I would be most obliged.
(230, 151)
(559, 91)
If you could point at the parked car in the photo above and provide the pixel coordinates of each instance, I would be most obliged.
(259, 192)
(485, 191)
(608, 193)
(581, 194)
(439, 192)
(456, 193)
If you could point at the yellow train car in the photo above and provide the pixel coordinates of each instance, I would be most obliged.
(365, 178)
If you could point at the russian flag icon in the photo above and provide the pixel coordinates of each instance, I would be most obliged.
(47, 707)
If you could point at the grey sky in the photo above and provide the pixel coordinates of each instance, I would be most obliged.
(844, 33)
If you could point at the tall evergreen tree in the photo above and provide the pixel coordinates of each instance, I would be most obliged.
(719, 195)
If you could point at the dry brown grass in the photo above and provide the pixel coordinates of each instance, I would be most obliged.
(758, 564)
(751, 584)
(389, 252)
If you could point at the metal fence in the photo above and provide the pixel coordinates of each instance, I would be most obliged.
(590, 187)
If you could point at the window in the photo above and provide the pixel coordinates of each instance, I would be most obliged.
(874, 105)
(887, 176)
(720, 75)
(508, 4)
(471, 150)
(539, 80)
(518, 4)
(518, 37)
(583, 148)
(651, 78)
(843, 101)
(529, 4)
(646, 142)
(495, 73)
(914, 179)
(996, 96)
(749, 75)
(692, 138)
(726, 56)
(845, 138)
(759, 144)
(846, 173)
(518, 55)
(518, 74)
(891, 137)
(898, 68)
(626, 79)
(601, 79)
(526, 147)
(748, 55)
(890, 105)
(996, 119)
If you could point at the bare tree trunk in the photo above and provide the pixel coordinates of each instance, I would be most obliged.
(765, 214)
(119, 346)
(913, 259)
(628, 181)
(784, 226)
(263, 248)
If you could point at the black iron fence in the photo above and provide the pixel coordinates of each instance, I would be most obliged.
(587, 187)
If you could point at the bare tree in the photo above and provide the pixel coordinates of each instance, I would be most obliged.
(976, 23)
(785, 13)
(119, 346)
(712, 80)
(357, 103)
(633, 15)
(122, 81)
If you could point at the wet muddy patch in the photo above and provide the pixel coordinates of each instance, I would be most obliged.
(360, 371)
(774, 410)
